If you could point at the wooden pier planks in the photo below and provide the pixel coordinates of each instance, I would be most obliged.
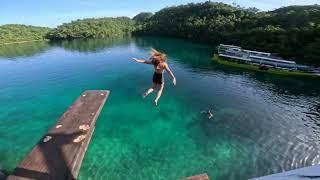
(61, 158)
(198, 177)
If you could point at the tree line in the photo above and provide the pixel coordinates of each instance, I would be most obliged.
(79, 29)
(93, 28)
(11, 33)
(293, 32)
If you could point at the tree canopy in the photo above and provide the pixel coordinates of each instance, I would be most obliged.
(292, 32)
(142, 17)
(16, 33)
(93, 28)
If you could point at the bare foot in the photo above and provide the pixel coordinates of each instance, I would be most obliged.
(47, 138)
(84, 127)
(79, 139)
(144, 95)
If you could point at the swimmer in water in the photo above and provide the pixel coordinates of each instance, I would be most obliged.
(209, 113)
(158, 60)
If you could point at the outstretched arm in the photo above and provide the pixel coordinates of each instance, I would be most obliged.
(142, 61)
(171, 74)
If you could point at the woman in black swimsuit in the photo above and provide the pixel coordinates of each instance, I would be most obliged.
(158, 60)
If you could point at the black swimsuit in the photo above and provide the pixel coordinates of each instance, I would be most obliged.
(157, 78)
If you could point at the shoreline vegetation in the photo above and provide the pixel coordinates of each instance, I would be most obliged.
(93, 28)
(28, 49)
(21, 42)
(17, 33)
(253, 67)
(291, 32)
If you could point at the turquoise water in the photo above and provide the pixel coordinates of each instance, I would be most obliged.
(262, 123)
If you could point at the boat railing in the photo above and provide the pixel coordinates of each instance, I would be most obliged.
(229, 46)
(234, 57)
(257, 52)
(262, 58)
(272, 59)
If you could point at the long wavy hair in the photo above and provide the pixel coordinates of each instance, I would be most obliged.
(157, 57)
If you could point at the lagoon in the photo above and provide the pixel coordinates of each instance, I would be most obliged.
(262, 123)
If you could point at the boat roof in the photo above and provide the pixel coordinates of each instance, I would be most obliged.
(273, 59)
(235, 57)
(257, 52)
(231, 46)
(260, 55)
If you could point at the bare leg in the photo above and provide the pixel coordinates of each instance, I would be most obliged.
(159, 94)
(149, 90)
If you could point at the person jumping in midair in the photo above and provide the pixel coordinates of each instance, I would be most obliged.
(158, 60)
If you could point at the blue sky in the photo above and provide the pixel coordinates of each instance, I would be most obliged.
(54, 12)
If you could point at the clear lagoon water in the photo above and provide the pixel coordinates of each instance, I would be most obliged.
(262, 123)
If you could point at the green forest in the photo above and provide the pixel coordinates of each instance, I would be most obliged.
(16, 33)
(93, 28)
(292, 32)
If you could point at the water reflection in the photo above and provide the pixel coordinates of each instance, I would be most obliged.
(278, 102)
(262, 124)
(278, 84)
(13, 51)
(193, 55)
(91, 45)
(197, 57)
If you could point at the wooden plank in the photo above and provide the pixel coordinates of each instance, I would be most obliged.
(198, 177)
(61, 158)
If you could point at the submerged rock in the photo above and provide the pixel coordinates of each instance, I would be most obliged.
(2, 174)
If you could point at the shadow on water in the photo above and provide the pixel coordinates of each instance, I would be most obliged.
(55, 159)
(13, 51)
(279, 84)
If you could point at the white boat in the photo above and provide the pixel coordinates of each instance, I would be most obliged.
(236, 53)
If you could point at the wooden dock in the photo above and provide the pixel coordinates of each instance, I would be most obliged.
(198, 177)
(61, 157)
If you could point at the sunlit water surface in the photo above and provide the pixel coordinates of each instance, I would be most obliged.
(262, 123)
